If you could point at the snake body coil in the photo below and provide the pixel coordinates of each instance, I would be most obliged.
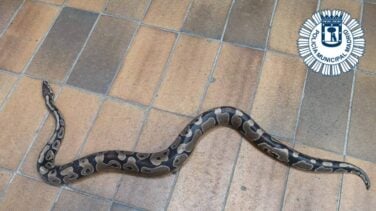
(172, 158)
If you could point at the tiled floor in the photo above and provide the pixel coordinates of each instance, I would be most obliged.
(129, 74)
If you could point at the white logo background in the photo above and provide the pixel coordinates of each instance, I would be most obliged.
(324, 58)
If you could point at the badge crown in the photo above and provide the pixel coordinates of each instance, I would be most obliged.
(331, 19)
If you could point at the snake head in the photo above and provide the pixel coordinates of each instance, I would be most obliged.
(47, 90)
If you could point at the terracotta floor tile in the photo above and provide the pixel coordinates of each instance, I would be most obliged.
(235, 78)
(116, 127)
(19, 121)
(207, 18)
(258, 182)
(278, 95)
(79, 110)
(354, 194)
(155, 191)
(143, 66)
(309, 191)
(6, 84)
(363, 115)
(99, 61)
(69, 200)
(120, 207)
(7, 10)
(324, 113)
(249, 22)
(351, 6)
(62, 44)
(25, 193)
(128, 8)
(288, 18)
(367, 62)
(96, 6)
(187, 75)
(5, 176)
(167, 13)
(203, 181)
(33, 20)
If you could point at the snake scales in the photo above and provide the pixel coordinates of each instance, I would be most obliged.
(172, 158)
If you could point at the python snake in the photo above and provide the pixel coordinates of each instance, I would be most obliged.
(172, 158)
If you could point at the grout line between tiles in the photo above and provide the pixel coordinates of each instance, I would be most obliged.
(174, 113)
(188, 10)
(245, 46)
(215, 62)
(146, 10)
(49, 3)
(69, 72)
(92, 123)
(10, 92)
(12, 18)
(296, 127)
(159, 28)
(6, 169)
(294, 137)
(284, 53)
(349, 118)
(76, 190)
(121, 17)
(224, 203)
(28, 176)
(40, 43)
(346, 137)
(53, 205)
(9, 73)
(210, 77)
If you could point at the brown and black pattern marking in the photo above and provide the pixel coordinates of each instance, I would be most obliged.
(172, 158)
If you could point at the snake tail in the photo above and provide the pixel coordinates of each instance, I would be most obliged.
(172, 158)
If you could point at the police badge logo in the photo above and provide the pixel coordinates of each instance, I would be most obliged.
(331, 42)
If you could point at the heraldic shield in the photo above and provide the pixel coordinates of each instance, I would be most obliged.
(331, 30)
